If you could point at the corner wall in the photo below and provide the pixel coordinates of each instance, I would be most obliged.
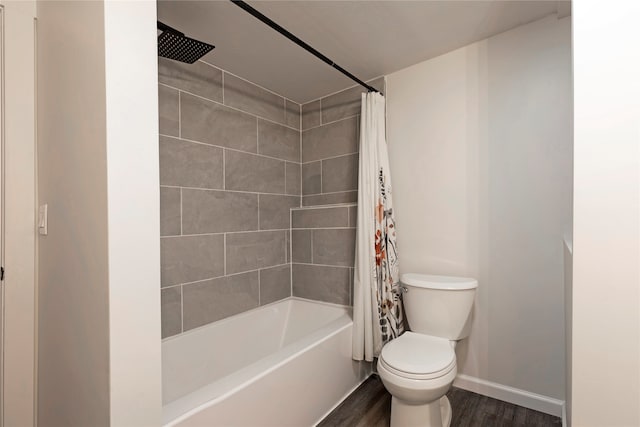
(481, 159)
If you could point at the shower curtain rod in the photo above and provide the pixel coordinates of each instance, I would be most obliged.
(249, 9)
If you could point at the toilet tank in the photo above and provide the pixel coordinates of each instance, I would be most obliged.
(439, 305)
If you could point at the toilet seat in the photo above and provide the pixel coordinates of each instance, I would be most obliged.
(418, 356)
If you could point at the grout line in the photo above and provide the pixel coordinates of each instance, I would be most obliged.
(285, 244)
(329, 194)
(311, 243)
(331, 158)
(323, 265)
(224, 170)
(191, 235)
(308, 196)
(286, 113)
(235, 191)
(194, 282)
(181, 212)
(181, 310)
(321, 168)
(224, 253)
(258, 225)
(179, 115)
(334, 206)
(229, 106)
(259, 290)
(222, 84)
(257, 136)
(222, 147)
(333, 192)
(322, 228)
(228, 232)
(284, 166)
(228, 275)
(248, 81)
(327, 206)
(166, 85)
(332, 122)
(284, 109)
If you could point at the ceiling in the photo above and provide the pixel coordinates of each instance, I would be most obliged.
(368, 38)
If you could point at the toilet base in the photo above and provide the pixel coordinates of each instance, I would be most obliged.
(434, 414)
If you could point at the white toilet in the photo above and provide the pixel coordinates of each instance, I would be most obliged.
(419, 367)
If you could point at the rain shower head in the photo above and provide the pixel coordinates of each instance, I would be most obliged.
(175, 45)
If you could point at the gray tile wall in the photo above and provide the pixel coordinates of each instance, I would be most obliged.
(236, 164)
(323, 249)
(323, 238)
(330, 139)
(230, 171)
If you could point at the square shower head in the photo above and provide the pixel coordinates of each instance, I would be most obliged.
(175, 45)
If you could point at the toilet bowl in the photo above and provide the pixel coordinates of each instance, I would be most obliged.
(419, 367)
(418, 370)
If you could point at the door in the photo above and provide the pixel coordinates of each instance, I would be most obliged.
(2, 215)
(17, 212)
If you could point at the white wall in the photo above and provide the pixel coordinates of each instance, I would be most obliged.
(133, 212)
(606, 263)
(481, 160)
(99, 308)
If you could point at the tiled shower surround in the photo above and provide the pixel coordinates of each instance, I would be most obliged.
(231, 155)
(229, 173)
(330, 147)
(323, 249)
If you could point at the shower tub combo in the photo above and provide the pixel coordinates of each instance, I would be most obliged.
(284, 364)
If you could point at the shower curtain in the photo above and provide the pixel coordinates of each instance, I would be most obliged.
(377, 304)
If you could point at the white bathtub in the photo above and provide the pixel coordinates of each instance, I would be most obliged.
(285, 364)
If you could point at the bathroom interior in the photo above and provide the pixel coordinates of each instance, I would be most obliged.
(215, 274)
(259, 161)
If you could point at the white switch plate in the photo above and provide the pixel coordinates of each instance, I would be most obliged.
(43, 220)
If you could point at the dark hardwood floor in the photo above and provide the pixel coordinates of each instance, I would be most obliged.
(370, 406)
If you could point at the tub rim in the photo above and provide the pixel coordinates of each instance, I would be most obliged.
(348, 308)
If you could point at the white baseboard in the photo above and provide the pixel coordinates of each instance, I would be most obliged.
(534, 401)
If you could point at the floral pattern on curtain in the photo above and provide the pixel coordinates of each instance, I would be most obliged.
(377, 302)
(388, 292)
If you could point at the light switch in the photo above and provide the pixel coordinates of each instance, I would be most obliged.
(43, 219)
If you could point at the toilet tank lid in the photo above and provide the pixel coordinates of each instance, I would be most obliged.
(439, 282)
